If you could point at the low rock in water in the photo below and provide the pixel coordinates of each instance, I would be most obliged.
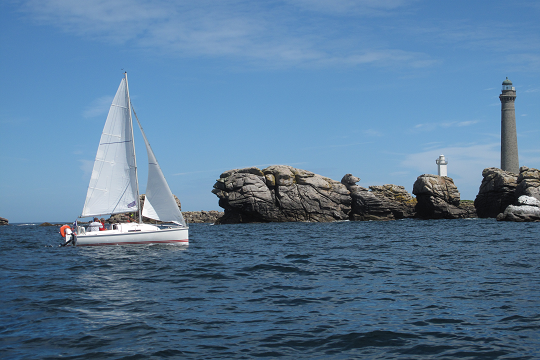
(527, 209)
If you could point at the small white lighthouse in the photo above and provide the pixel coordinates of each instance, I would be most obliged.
(441, 163)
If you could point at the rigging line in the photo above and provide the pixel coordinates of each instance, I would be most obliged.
(144, 135)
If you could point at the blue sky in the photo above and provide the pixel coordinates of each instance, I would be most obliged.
(376, 88)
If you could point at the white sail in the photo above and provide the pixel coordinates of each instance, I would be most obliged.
(113, 185)
(159, 203)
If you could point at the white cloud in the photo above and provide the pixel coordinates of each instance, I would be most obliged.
(98, 107)
(372, 133)
(335, 146)
(86, 166)
(252, 31)
(356, 6)
(433, 125)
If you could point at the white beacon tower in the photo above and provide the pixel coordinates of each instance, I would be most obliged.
(441, 163)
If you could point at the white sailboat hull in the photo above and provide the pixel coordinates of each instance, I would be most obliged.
(133, 234)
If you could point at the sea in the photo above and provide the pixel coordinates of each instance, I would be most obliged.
(408, 289)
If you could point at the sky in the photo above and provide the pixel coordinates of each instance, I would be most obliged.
(375, 88)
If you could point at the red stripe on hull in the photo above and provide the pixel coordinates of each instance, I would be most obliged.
(136, 242)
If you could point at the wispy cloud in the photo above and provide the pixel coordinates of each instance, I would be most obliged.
(336, 145)
(372, 133)
(98, 107)
(260, 166)
(268, 34)
(465, 164)
(365, 7)
(86, 166)
(431, 126)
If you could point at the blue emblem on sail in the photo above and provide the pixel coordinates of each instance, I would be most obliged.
(131, 204)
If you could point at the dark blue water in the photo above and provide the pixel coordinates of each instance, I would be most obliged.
(444, 289)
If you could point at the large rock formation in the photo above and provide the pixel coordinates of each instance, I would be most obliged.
(3, 221)
(496, 192)
(280, 193)
(386, 202)
(527, 209)
(438, 198)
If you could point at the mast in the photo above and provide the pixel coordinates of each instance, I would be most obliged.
(133, 143)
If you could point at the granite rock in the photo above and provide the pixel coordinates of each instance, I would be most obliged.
(496, 192)
(528, 183)
(385, 202)
(280, 193)
(3, 221)
(526, 209)
(438, 198)
(468, 206)
(194, 217)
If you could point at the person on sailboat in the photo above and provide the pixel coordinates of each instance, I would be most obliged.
(67, 234)
(102, 228)
(95, 225)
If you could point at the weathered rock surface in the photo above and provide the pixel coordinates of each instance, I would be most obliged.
(3, 221)
(468, 206)
(528, 183)
(527, 209)
(193, 217)
(385, 202)
(438, 198)
(496, 192)
(280, 193)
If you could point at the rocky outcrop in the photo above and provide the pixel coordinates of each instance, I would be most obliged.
(193, 217)
(508, 196)
(438, 198)
(468, 206)
(496, 192)
(386, 202)
(280, 193)
(3, 221)
(527, 209)
(528, 183)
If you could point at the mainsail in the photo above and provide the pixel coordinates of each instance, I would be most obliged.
(113, 185)
(159, 203)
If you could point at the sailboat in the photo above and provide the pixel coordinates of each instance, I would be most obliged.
(114, 186)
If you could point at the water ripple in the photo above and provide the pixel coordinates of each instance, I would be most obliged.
(387, 290)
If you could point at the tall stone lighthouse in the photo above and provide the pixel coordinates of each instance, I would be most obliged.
(509, 147)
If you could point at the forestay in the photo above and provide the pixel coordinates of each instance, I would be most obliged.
(113, 185)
